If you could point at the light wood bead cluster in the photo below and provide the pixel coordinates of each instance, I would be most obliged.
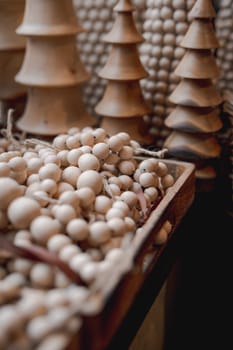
(45, 319)
(76, 197)
(81, 185)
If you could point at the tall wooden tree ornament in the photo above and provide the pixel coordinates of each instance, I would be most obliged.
(123, 106)
(195, 120)
(52, 69)
(12, 49)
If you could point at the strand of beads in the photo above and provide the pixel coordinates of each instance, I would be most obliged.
(77, 197)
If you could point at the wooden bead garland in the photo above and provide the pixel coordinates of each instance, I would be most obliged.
(81, 215)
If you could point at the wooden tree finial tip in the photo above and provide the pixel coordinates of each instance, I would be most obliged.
(124, 6)
(203, 9)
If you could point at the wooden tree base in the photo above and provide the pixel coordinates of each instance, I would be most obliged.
(53, 111)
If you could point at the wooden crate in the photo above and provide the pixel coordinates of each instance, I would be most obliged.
(98, 329)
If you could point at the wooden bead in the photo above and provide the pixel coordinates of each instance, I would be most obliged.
(99, 135)
(113, 158)
(162, 169)
(152, 192)
(69, 197)
(57, 242)
(127, 167)
(99, 233)
(130, 198)
(89, 271)
(114, 213)
(88, 162)
(70, 175)
(148, 180)
(9, 190)
(33, 178)
(73, 141)
(43, 227)
(87, 138)
(167, 181)
(22, 265)
(115, 143)
(161, 237)
(17, 164)
(59, 141)
(102, 204)
(64, 213)
(92, 179)
(61, 280)
(86, 196)
(22, 211)
(101, 150)
(78, 261)
(63, 187)
(114, 189)
(49, 186)
(41, 197)
(73, 156)
(42, 275)
(4, 169)
(69, 251)
(118, 204)
(77, 229)
(50, 171)
(33, 165)
(117, 226)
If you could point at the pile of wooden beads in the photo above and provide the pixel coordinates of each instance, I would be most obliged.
(83, 188)
(41, 318)
(81, 197)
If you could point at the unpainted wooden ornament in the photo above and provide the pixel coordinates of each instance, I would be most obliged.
(123, 98)
(47, 18)
(52, 69)
(12, 48)
(196, 118)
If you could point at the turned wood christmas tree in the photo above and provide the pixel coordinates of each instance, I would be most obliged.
(52, 69)
(123, 106)
(12, 49)
(195, 120)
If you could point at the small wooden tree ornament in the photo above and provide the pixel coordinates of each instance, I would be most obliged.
(12, 49)
(196, 119)
(123, 106)
(52, 69)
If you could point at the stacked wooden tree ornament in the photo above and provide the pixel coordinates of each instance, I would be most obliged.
(12, 48)
(123, 104)
(52, 69)
(196, 119)
(97, 19)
